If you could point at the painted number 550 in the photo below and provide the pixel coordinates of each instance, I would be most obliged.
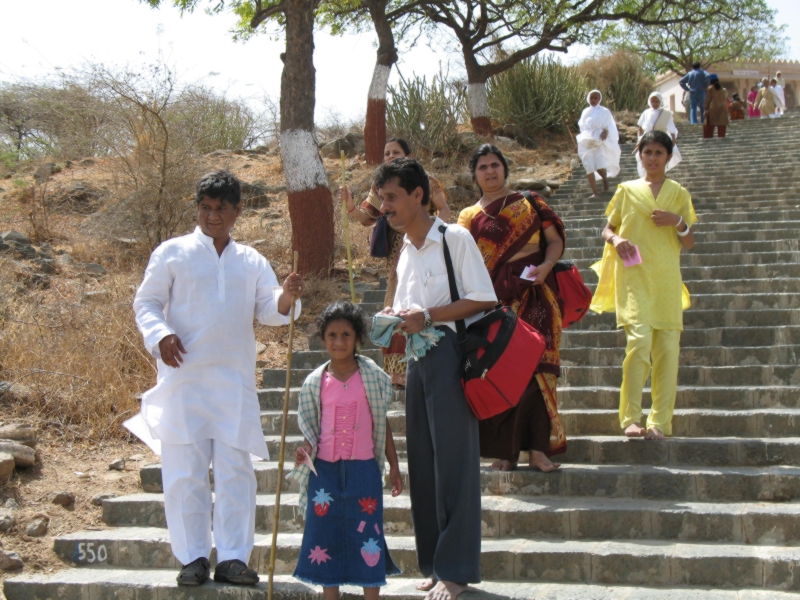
(87, 553)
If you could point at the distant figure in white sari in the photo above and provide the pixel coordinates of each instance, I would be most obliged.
(658, 118)
(598, 142)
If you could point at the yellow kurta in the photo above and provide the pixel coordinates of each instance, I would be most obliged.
(651, 293)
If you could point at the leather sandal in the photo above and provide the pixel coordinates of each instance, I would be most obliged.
(236, 572)
(195, 573)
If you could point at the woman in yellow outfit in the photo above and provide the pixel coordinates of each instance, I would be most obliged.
(653, 215)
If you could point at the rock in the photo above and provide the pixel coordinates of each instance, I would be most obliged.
(356, 141)
(87, 162)
(260, 347)
(439, 163)
(545, 193)
(4, 247)
(22, 250)
(46, 265)
(511, 130)
(334, 149)
(575, 163)
(254, 195)
(23, 433)
(63, 498)
(12, 504)
(6, 465)
(15, 236)
(467, 141)
(506, 144)
(528, 142)
(94, 269)
(10, 561)
(117, 465)
(465, 181)
(38, 526)
(136, 457)
(528, 184)
(15, 392)
(554, 184)
(459, 195)
(44, 171)
(98, 499)
(7, 520)
(24, 456)
(81, 197)
(65, 260)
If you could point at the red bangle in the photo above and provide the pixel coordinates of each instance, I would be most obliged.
(351, 210)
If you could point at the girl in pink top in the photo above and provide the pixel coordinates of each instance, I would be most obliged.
(342, 414)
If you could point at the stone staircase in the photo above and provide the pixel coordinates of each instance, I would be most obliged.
(711, 513)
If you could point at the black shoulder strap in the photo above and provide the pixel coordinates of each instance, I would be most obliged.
(461, 328)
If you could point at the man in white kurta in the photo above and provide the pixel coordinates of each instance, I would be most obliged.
(195, 310)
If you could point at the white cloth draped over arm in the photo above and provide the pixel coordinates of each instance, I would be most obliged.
(268, 292)
(150, 304)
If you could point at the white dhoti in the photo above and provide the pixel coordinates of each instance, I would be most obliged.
(188, 501)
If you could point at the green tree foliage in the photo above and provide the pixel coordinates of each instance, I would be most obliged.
(744, 30)
(537, 94)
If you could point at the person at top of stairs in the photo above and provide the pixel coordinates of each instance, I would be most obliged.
(195, 310)
(342, 415)
(649, 221)
(513, 231)
(441, 430)
(598, 142)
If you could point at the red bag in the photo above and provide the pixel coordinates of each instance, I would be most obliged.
(501, 354)
(573, 292)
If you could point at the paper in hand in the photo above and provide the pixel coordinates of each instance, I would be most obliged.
(526, 273)
(307, 461)
(636, 259)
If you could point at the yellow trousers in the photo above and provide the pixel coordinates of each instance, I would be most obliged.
(664, 347)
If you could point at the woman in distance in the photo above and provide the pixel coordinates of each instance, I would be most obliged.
(598, 142)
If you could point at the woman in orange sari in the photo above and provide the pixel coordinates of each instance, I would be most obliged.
(512, 232)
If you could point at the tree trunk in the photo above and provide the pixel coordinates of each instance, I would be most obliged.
(479, 108)
(310, 201)
(375, 127)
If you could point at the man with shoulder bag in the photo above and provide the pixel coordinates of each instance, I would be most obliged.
(441, 430)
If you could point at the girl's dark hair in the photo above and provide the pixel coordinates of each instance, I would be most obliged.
(717, 85)
(342, 310)
(656, 137)
(400, 142)
(485, 150)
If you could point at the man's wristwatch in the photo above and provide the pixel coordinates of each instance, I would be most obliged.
(427, 315)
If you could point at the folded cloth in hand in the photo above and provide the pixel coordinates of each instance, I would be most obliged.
(417, 344)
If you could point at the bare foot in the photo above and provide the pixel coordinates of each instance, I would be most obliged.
(503, 465)
(594, 195)
(446, 590)
(605, 186)
(654, 434)
(540, 461)
(427, 585)
(634, 430)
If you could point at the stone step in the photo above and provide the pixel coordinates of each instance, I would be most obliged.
(703, 470)
(759, 523)
(743, 248)
(142, 584)
(765, 219)
(701, 355)
(691, 260)
(688, 397)
(609, 562)
(731, 337)
(707, 199)
(730, 232)
(272, 422)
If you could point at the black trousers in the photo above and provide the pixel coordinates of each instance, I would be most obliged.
(443, 466)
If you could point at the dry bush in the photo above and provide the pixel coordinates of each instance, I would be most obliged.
(621, 77)
(76, 346)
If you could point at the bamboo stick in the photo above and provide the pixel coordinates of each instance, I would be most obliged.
(281, 454)
(346, 233)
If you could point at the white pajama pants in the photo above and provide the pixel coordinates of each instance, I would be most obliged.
(188, 503)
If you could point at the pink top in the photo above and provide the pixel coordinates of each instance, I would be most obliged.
(346, 420)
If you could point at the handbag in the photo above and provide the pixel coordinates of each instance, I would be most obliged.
(379, 239)
(492, 373)
(573, 292)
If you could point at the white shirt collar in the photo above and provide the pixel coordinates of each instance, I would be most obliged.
(434, 235)
(208, 241)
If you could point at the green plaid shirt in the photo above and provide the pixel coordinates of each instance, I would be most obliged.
(378, 386)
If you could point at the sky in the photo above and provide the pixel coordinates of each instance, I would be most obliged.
(63, 35)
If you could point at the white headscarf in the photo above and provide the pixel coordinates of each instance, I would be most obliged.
(589, 95)
(655, 95)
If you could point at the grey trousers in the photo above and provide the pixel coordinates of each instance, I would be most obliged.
(443, 466)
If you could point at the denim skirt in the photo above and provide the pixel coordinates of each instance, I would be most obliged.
(343, 541)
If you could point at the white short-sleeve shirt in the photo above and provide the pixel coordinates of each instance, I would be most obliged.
(422, 273)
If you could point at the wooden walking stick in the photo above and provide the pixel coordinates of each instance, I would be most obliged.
(277, 512)
(346, 233)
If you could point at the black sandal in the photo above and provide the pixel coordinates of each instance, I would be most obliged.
(236, 572)
(195, 573)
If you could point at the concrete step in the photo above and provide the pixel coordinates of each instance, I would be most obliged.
(107, 583)
(757, 523)
(610, 562)
(722, 232)
(702, 470)
(688, 397)
(731, 337)
(691, 260)
(702, 319)
(701, 355)
(765, 219)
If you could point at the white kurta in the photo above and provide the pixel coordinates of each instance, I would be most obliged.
(594, 152)
(647, 121)
(210, 302)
